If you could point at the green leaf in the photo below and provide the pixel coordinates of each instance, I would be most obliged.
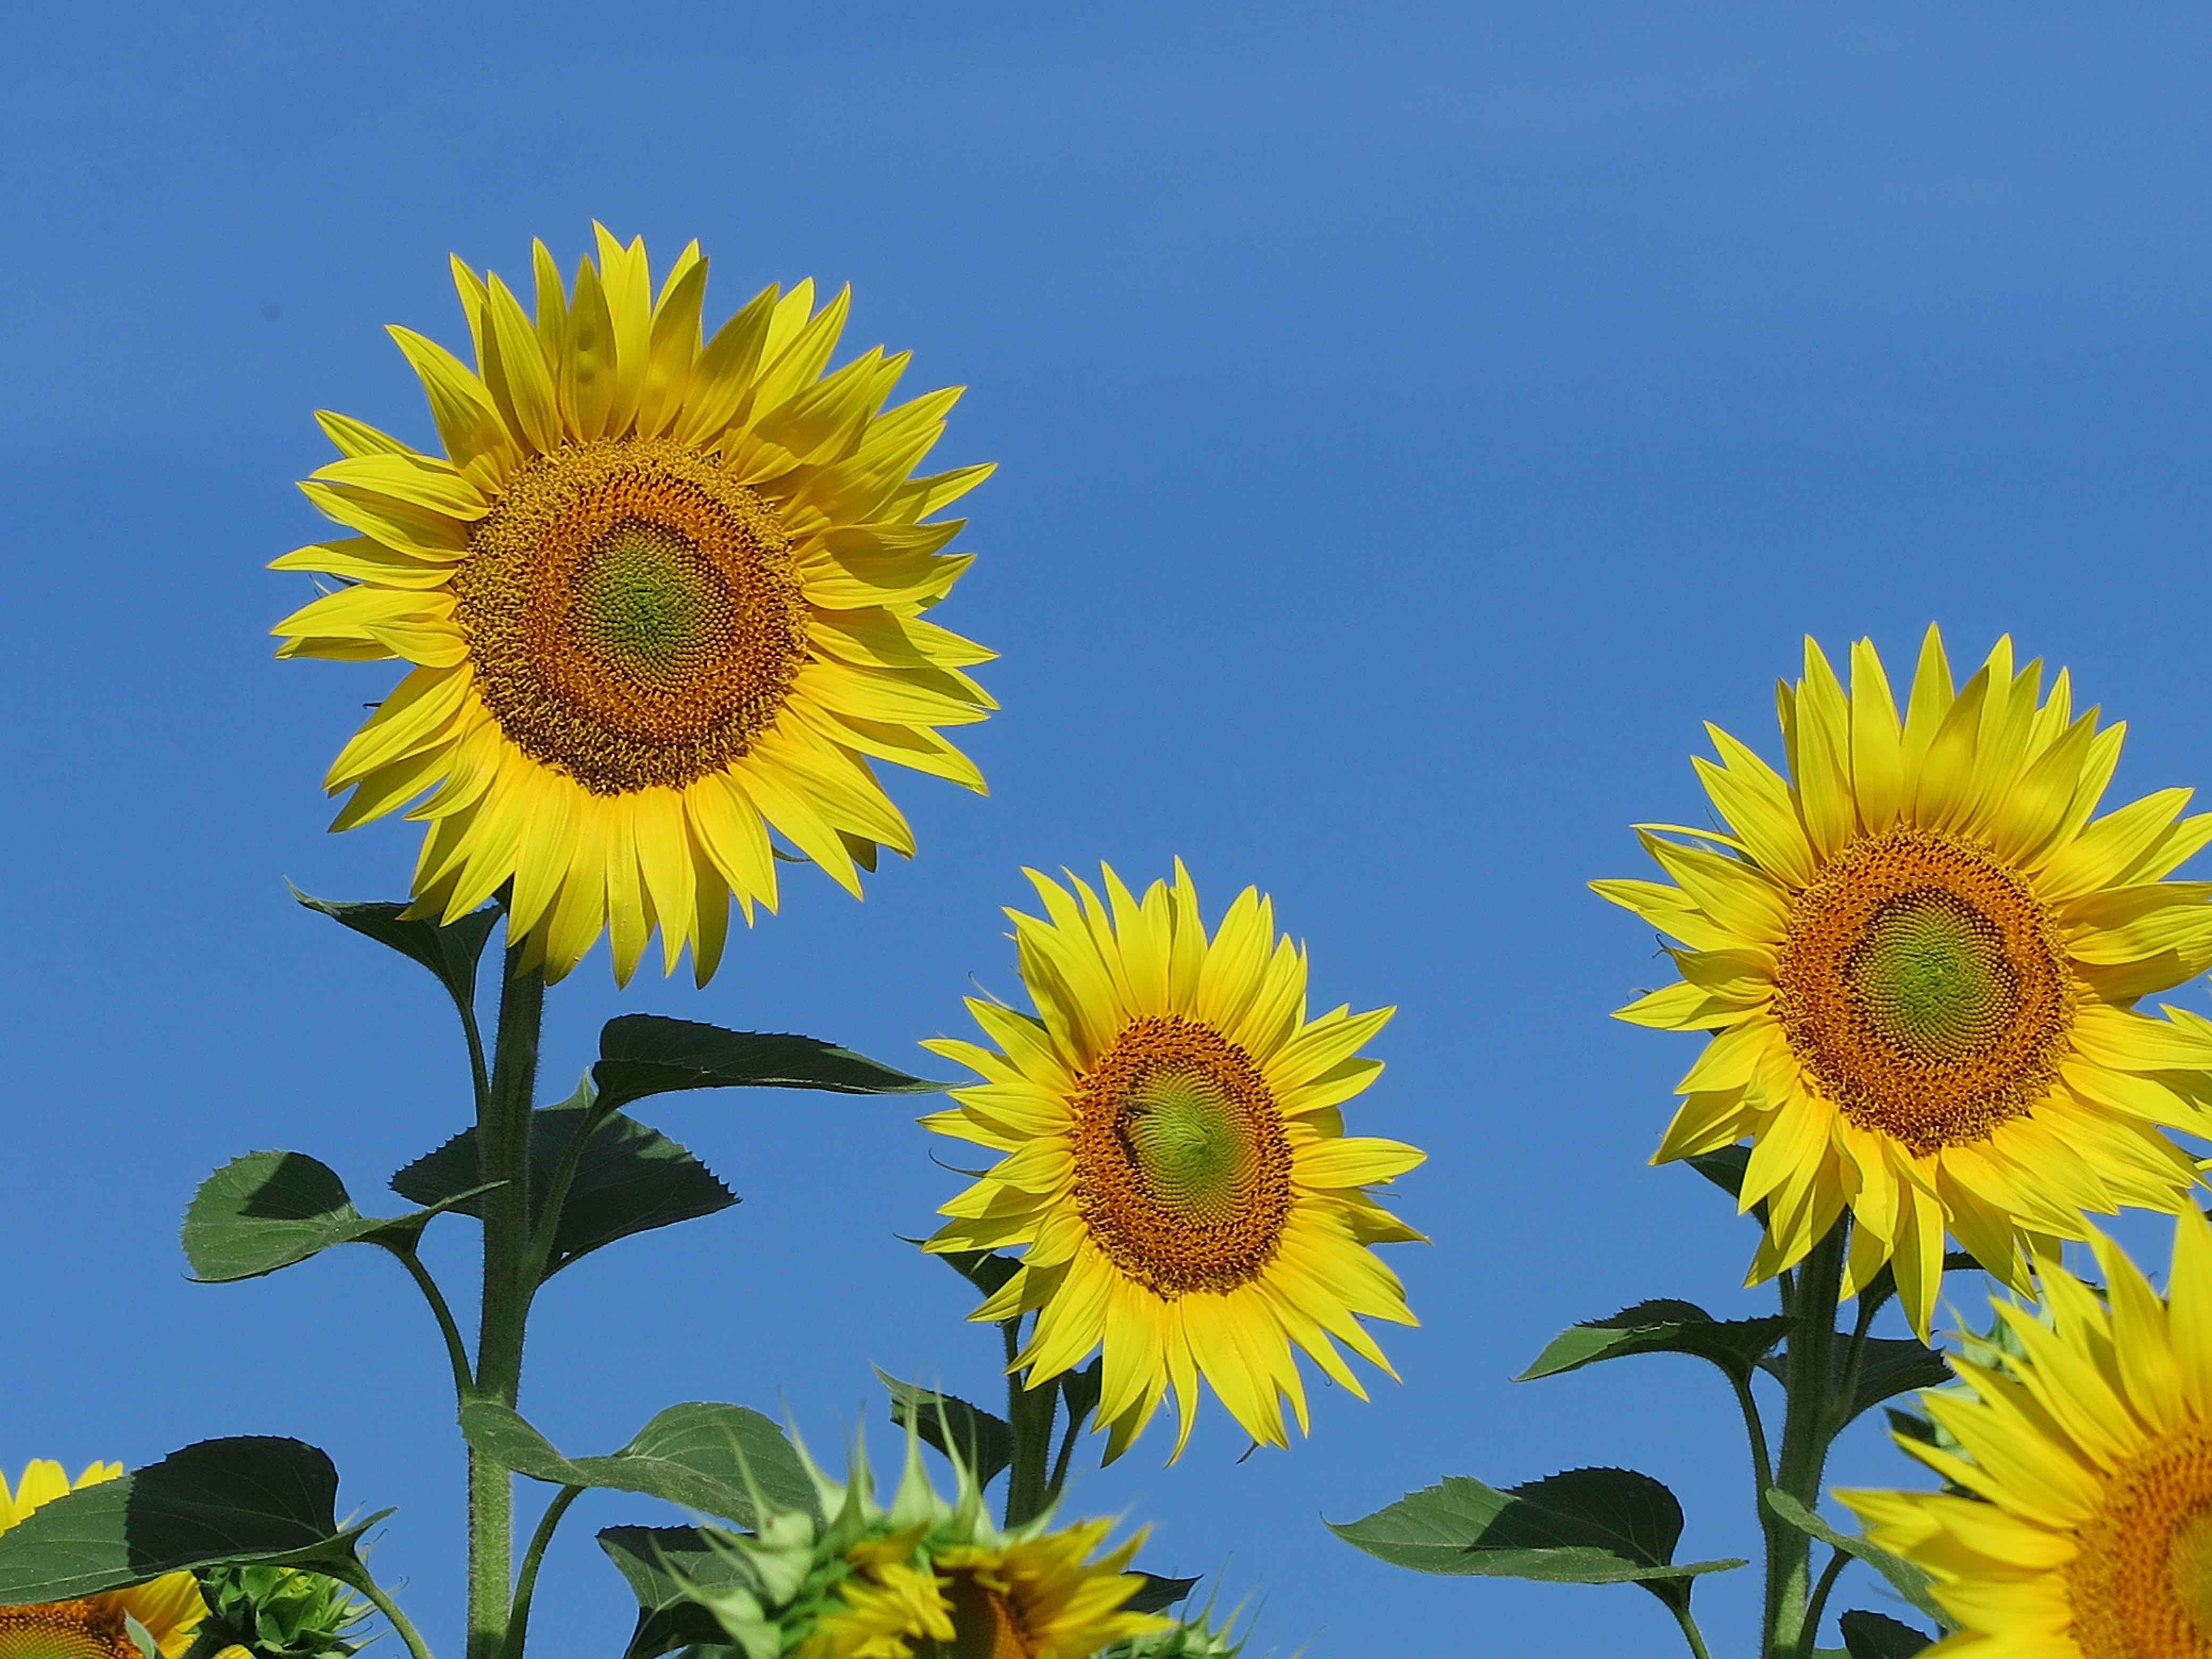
(1724, 1168)
(985, 1269)
(1878, 1636)
(268, 1210)
(1661, 1326)
(1081, 1389)
(254, 1498)
(630, 1179)
(986, 1443)
(1158, 1593)
(1585, 1527)
(1904, 1578)
(663, 1565)
(642, 1055)
(452, 953)
(701, 1455)
(1888, 1366)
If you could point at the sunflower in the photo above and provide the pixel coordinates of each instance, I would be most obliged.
(1176, 1169)
(1919, 955)
(924, 1579)
(2089, 1534)
(93, 1626)
(660, 598)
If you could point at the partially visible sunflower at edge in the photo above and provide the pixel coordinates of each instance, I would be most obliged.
(1176, 1171)
(2082, 1529)
(661, 595)
(1919, 953)
(924, 1579)
(93, 1626)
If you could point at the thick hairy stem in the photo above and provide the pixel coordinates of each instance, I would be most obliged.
(502, 1155)
(1030, 1413)
(1808, 1426)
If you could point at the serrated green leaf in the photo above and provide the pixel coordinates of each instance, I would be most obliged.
(1585, 1527)
(642, 1055)
(663, 1565)
(985, 1442)
(450, 952)
(1904, 1578)
(1878, 1636)
(268, 1210)
(631, 1179)
(252, 1498)
(702, 1454)
(1663, 1325)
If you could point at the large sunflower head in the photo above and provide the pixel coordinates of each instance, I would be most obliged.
(662, 595)
(926, 1578)
(169, 1608)
(1919, 951)
(2083, 1529)
(1177, 1173)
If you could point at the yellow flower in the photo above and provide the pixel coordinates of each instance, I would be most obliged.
(1033, 1597)
(93, 1626)
(2089, 1533)
(1919, 955)
(659, 597)
(1176, 1168)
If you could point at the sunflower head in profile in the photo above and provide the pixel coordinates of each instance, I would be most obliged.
(1175, 1170)
(2083, 1529)
(926, 1578)
(169, 1610)
(662, 594)
(1919, 954)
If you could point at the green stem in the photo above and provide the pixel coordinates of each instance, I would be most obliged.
(1059, 1481)
(1691, 1633)
(503, 1156)
(389, 1609)
(526, 1583)
(1837, 1559)
(1030, 1413)
(1755, 1429)
(1807, 1427)
(457, 1351)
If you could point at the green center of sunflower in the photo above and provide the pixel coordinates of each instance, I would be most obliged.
(640, 602)
(64, 1630)
(1182, 1169)
(1188, 1141)
(1925, 988)
(1932, 977)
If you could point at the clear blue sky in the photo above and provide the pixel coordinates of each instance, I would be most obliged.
(1414, 420)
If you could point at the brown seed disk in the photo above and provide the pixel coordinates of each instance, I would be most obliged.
(986, 1623)
(1925, 988)
(2137, 1588)
(65, 1630)
(632, 614)
(1202, 1213)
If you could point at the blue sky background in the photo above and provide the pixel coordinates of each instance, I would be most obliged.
(1414, 420)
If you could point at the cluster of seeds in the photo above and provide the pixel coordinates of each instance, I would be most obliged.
(2140, 1585)
(632, 614)
(1182, 1172)
(1925, 988)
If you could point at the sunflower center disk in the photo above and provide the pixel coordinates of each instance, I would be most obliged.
(985, 1625)
(1182, 1169)
(632, 614)
(2140, 1585)
(64, 1630)
(1924, 987)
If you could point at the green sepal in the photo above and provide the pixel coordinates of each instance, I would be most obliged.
(630, 1179)
(1724, 1169)
(1888, 1366)
(1878, 1636)
(251, 1497)
(986, 1270)
(1081, 1389)
(1158, 1593)
(276, 1613)
(1585, 1527)
(985, 1442)
(268, 1210)
(642, 1055)
(664, 1566)
(451, 952)
(1663, 1325)
(702, 1454)
(1904, 1578)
